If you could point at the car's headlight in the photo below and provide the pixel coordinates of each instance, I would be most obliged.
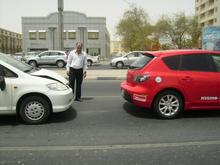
(57, 86)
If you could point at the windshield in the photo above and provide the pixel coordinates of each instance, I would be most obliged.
(16, 63)
(142, 61)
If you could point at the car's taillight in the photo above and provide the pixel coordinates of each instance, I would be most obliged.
(142, 78)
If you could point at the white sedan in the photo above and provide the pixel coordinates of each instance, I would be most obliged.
(31, 93)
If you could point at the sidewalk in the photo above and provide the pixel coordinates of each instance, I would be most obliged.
(116, 74)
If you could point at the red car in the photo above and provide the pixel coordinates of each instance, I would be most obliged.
(174, 80)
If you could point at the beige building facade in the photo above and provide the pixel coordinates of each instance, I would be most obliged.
(208, 12)
(10, 42)
(116, 47)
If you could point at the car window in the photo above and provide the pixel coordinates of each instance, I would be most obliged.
(130, 55)
(54, 53)
(142, 61)
(60, 54)
(172, 62)
(6, 72)
(16, 63)
(216, 60)
(196, 62)
(45, 54)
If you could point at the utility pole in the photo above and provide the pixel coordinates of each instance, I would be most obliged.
(60, 24)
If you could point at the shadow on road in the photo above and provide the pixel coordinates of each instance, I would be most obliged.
(65, 116)
(14, 120)
(201, 114)
(148, 113)
(138, 112)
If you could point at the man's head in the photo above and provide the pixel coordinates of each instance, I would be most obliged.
(79, 46)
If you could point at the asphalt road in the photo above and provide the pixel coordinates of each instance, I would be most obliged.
(106, 130)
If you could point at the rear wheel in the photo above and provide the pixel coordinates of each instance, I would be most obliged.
(34, 110)
(168, 104)
(89, 62)
(119, 65)
(60, 64)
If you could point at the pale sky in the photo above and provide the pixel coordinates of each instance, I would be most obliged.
(11, 11)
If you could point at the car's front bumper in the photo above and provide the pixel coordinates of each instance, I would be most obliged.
(61, 100)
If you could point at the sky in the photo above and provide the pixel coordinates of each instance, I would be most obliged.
(11, 11)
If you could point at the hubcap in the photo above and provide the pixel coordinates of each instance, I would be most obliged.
(169, 105)
(119, 65)
(33, 64)
(60, 64)
(34, 110)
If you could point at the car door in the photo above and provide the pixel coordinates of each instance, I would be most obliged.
(6, 94)
(53, 57)
(44, 58)
(216, 61)
(130, 58)
(198, 79)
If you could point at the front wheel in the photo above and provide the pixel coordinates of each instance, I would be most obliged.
(119, 65)
(168, 104)
(34, 110)
(33, 63)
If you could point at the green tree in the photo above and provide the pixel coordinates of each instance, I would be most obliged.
(195, 32)
(184, 31)
(133, 29)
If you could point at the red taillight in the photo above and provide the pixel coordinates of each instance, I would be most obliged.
(142, 78)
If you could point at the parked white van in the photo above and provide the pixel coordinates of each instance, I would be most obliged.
(31, 93)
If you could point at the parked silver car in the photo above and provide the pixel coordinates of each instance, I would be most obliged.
(50, 57)
(92, 60)
(126, 60)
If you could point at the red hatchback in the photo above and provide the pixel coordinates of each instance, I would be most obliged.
(174, 80)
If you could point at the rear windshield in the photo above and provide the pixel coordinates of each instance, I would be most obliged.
(142, 61)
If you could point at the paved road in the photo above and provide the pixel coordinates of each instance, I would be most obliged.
(104, 129)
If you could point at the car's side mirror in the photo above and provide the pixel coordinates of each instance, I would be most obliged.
(2, 82)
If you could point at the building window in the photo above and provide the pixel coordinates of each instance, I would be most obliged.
(32, 34)
(42, 34)
(93, 34)
(64, 34)
(93, 51)
(71, 34)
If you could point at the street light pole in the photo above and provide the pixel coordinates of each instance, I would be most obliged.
(60, 24)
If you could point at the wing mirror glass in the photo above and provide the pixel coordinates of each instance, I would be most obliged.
(2, 83)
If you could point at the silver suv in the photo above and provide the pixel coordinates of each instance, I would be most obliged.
(126, 60)
(50, 57)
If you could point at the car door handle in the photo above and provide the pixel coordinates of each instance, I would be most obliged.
(187, 78)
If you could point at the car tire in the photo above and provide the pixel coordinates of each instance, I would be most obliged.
(60, 64)
(33, 63)
(34, 110)
(119, 65)
(168, 104)
(89, 62)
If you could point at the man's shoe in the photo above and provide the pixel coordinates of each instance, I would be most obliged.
(80, 100)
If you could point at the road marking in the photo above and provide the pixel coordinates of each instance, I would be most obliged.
(110, 147)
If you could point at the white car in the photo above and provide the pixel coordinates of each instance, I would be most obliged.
(92, 60)
(31, 93)
(126, 60)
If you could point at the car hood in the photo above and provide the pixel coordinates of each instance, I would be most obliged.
(50, 75)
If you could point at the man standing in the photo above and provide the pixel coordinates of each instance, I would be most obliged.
(76, 69)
